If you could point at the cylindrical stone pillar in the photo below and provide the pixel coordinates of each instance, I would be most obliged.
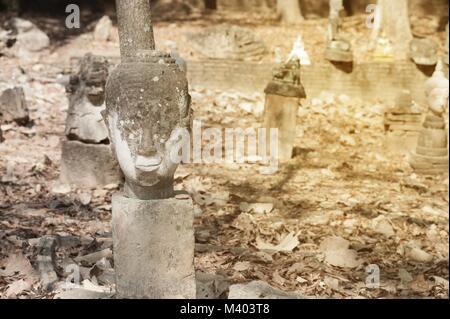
(281, 113)
(283, 96)
(153, 248)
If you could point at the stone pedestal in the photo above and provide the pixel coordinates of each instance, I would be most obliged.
(88, 165)
(402, 130)
(281, 112)
(153, 247)
(336, 55)
(431, 155)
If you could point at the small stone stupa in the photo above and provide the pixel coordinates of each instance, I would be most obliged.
(283, 96)
(431, 154)
(299, 52)
(338, 49)
(403, 124)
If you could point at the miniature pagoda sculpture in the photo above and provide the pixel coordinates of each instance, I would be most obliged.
(338, 48)
(147, 110)
(383, 51)
(431, 155)
(87, 160)
(299, 52)
(283, 96)
(403, 124)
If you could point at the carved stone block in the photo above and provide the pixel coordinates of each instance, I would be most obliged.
(88, 165)
(154, 247)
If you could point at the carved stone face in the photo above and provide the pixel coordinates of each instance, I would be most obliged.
(437, 92)
(147, 104)
(86, 91)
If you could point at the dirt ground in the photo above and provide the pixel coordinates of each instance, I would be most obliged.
(342, 186)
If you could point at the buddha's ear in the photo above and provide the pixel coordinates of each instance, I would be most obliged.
(187, 121)
(105, 118)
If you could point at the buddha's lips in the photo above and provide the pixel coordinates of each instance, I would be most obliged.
(147, 168)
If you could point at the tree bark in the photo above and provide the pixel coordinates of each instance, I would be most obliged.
(395, 25)
(289, 11)
(135, 27)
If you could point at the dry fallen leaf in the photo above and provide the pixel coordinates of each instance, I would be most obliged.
(17, 287)
(287, 244)
(18, 264)
(338, 254)
(417, 254)
(241, 266)
(257, 208)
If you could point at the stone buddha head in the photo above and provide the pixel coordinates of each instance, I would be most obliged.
(147, 107)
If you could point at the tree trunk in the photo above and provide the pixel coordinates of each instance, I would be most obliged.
(394, 22)
(135, 27)
(289, 11)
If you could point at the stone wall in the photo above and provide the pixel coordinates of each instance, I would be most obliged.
(371, 81)
(368, 81)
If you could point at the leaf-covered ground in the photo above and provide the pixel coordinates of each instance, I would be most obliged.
(342, 204)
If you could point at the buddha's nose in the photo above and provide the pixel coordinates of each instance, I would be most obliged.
(147, 147)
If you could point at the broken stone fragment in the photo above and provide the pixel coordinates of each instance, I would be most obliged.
(103, 29)
(13, 106)
(88, 165)
(46, 260)
(210, 286)
(29, 37)
(85, 123)
(86, 91)
(424, 51)
(259, 290)
(6, 41)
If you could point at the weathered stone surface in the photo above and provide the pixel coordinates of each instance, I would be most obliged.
(429, 156)
(103, 29)
(13, 106)
(228, 42)
(259, 290)
(147, 111)
(29, 37)
(338, 49)
(402, 125)
(283, 96)
(337, 54)
(153, 248)
(86, 92)
(211, 286)
(86, 123)
(46, 260)
(424, 51)
(88, 165)
(281, 113)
